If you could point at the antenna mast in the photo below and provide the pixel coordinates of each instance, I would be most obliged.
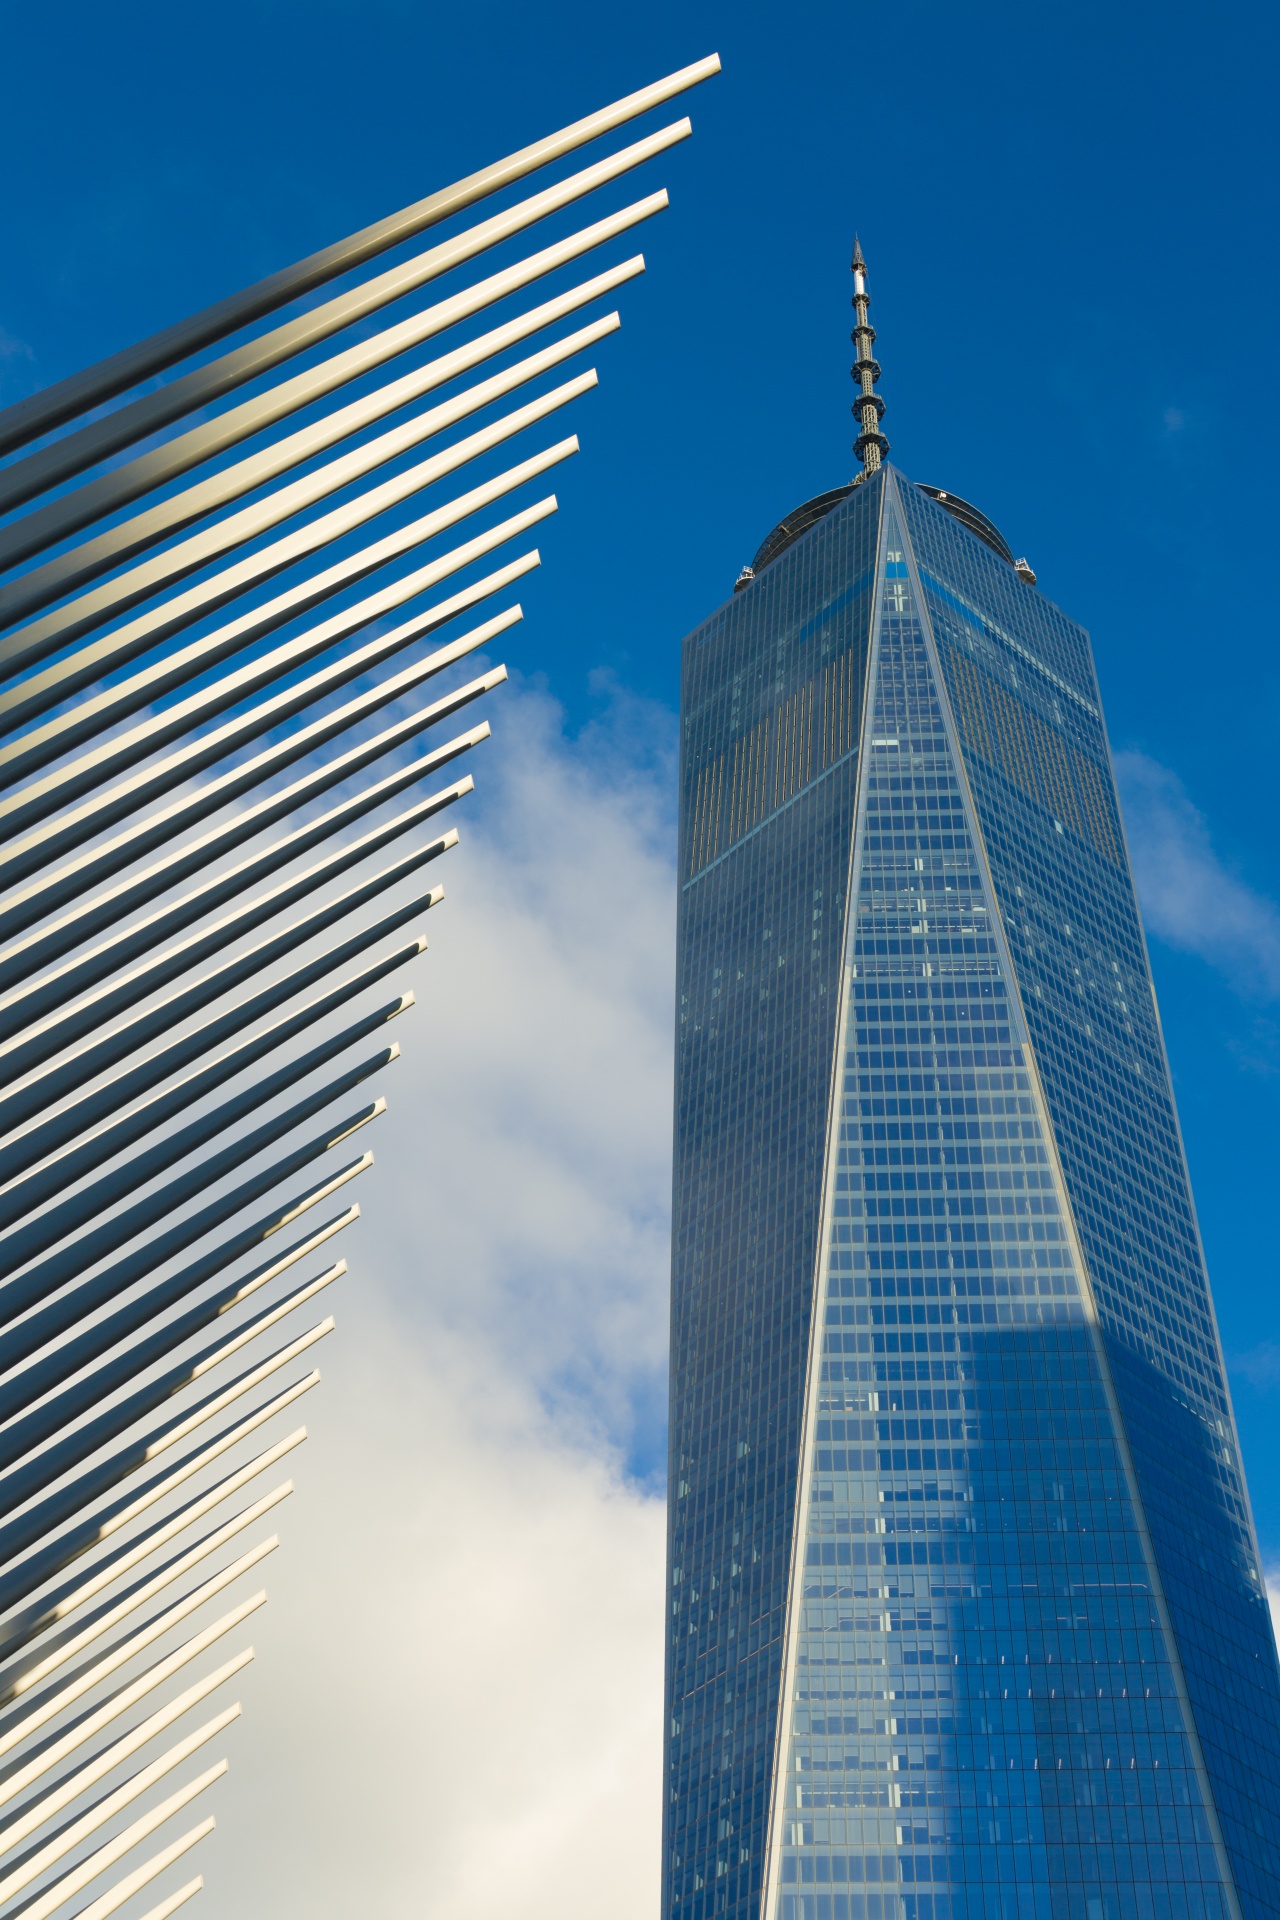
(870, 445)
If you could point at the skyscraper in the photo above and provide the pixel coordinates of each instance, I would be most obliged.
(965, 1613)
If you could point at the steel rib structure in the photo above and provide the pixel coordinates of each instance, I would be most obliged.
(225, 787)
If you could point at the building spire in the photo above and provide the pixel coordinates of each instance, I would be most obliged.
(870, 445)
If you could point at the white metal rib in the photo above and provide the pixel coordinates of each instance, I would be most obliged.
(181, 861)
(19, 1778)
(151, 576)
(179, 455)
(175, 1900)
(17, 1725)
(115, 1849)
(33, 589)
(125, 1510)
(59, 1687)
(96, 712)
(270, 858)
(187, 760)
(72, 1835)
(146, 529)
(73, 1639)
(28, 419)
(111, 1901)
(37, 691)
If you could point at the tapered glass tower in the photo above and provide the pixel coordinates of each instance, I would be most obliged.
(965, 1613)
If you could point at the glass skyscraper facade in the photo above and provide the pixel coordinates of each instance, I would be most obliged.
(965, 1614)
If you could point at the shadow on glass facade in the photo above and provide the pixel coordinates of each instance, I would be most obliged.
(965, 1609)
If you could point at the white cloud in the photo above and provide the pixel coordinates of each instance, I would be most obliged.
(1189, 898)
(1273, 1597)
(456, 1708)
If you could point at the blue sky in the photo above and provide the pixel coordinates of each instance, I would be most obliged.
(1065, 217)
(1068, 215)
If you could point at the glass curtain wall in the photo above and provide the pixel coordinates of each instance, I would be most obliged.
(985, 1716)
(1022, 687)
(772, 691)
(965, 1610)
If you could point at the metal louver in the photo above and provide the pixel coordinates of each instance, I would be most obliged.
(225, 783)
